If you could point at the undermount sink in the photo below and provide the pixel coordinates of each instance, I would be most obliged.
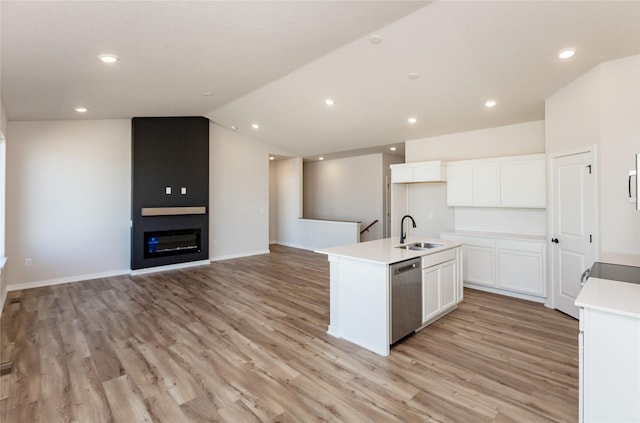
(420, 245)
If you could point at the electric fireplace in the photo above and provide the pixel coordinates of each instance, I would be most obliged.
(171, 243)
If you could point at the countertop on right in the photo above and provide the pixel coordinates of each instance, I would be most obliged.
(611, 296)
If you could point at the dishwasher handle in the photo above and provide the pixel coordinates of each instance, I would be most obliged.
(407, 268)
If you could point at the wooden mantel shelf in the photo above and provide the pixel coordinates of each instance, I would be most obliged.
(172, 211)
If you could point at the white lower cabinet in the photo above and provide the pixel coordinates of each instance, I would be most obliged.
(439, 285)
(510, 265)
(480, 266)
(609, 367)
(430, 293)
(521, 266)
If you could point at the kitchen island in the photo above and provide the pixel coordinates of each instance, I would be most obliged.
(610, 342)
(360, 287)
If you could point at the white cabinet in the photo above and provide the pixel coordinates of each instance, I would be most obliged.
(609, 366)
(518, 181)
(486, 185)
(432, 171)
(459, 185)
(430, 293)
(440, 284)
(401, 174)
(480, 266)
(523, 183)
(503, 264)
(521, 266)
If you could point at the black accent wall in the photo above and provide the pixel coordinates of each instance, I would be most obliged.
(169, 152)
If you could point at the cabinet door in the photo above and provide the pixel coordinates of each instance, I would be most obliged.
(430, 293)
(480, 265)
(401, 174)
(521, 266)
(448, 285)
(486, 185)
(459, 185)
(426, 173)
(523, 183)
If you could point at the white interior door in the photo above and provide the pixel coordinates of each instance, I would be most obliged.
(572, 226)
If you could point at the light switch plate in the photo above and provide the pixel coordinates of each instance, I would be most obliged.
(167, 190)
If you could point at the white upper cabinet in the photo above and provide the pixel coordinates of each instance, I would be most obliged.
(523, 183)
(460, 185)
(501, 182)
(433, 171)
(486, 184)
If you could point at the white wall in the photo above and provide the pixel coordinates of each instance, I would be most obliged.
(288, 194)
(238, 195)
(347, 189)
(620, 141)
(511, 140)
(572, 115)
(602, 109)
(68, 200)
(388, 160)
(3, 120)
(428, 207)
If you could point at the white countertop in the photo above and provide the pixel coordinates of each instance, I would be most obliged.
(383, 250)
(611, 296)
(500, 235)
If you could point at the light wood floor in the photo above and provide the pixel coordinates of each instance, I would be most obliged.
(245, 340)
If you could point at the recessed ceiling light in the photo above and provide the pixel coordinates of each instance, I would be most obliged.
(255, 126)
(329, 102)
(235, 128)
(207, 93)
(375, 39)
(320, 158)
(82, 109)
(108, 58)
(490, 103)
(392, 148)
(414, 75)
(412, 120)
(271, 158)
(566, 53)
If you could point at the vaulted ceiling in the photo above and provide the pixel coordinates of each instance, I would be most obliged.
(274, 63)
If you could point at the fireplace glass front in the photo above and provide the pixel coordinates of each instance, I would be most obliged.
(171, 243)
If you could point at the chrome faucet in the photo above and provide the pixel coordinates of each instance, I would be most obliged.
(403, 234)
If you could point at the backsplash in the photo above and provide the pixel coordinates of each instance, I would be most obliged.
(503, 220)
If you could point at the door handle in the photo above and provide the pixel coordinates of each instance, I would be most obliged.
(555, 240)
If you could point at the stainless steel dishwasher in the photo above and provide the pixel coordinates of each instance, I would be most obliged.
(406, 298)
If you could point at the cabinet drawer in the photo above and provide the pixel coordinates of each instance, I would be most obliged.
(437, 258)
(476, 241)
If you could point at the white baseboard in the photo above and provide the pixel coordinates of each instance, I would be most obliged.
(245, 254)
(293, 245)
(70, 279)
(169, 267)
(3, 288)
(2, 300)
(506, 293)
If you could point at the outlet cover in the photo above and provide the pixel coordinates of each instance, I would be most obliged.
(28, 262)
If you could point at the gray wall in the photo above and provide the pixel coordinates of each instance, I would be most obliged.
(350, 189)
